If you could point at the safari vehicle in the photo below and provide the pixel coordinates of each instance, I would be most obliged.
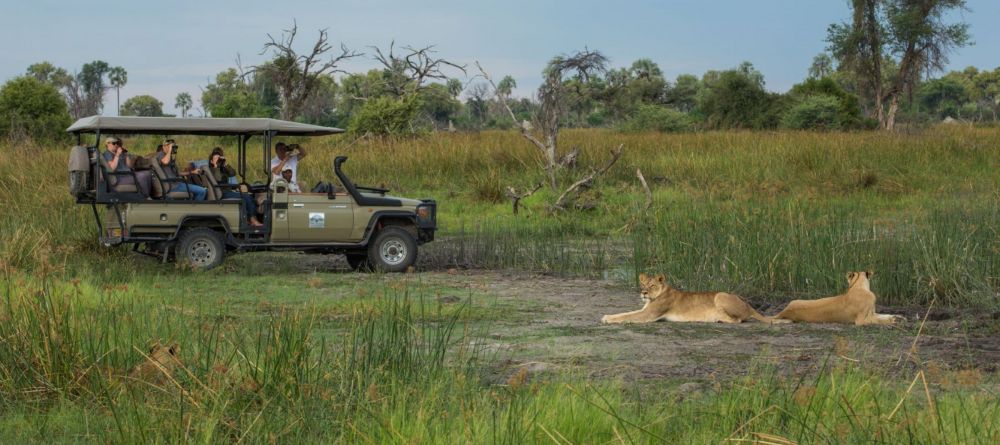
(372, 229)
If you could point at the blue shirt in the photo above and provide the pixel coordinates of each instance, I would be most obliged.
(122, 161)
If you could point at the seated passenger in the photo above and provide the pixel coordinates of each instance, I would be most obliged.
(119, 160)
(287, 175)
(166, 155)
(221, 171)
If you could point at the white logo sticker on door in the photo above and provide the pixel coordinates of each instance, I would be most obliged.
(317, 220)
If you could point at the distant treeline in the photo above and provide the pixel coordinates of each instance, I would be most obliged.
(876, 73)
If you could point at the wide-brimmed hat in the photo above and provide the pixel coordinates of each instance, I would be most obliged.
(112, 140)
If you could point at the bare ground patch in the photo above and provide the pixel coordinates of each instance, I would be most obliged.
(563, 331)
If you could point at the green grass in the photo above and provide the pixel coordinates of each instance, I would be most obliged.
(400, 371)
(279, 350)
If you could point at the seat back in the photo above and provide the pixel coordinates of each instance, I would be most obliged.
(162, 189)
(111, 181)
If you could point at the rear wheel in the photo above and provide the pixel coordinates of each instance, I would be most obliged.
(392, 250)
(201, 248)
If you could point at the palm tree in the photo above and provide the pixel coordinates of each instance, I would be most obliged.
(183, 102)
(118, 78)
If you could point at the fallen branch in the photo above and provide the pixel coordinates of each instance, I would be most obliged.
(516, 197)
(587, 181)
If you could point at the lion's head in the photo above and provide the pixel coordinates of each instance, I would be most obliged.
(162, 361)
(859, 278)
(651, 287)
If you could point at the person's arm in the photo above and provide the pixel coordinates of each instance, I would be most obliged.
(229, 171)
(302, 152)
(276, 170)
(130, 161)
(163, 158)
(113, 163)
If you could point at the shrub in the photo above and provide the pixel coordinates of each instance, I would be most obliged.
(659, 118)
(848, 112)
(386, 116)
(813, 112)
(33, 108)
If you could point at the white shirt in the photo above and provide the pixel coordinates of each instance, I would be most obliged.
(291, 162)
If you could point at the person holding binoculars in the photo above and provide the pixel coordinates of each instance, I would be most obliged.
(222, 171)
(166, 155)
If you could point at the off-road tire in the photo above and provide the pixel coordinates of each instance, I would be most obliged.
(201, 248)
(392, 250)
(358, 262)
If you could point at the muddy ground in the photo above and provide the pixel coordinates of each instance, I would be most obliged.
(554, 324)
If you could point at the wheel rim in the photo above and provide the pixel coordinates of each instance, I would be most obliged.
(202, 253)
(393, 252)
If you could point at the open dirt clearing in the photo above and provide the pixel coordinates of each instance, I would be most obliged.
(557, 327)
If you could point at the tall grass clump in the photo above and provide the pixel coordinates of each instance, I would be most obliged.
(792, 249)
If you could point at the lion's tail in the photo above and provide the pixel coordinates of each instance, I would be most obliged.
(765, 319)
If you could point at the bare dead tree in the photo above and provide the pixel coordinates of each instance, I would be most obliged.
(551, 94)
(297, 75)
(574, 190)
(516, 197)
(410, 71)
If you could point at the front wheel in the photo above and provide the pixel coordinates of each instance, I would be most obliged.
(201, 248)
(393, 250)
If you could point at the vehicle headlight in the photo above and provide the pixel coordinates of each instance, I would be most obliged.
(424, 212)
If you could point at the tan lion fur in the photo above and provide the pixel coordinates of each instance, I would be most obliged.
(159, 366)
(857, 306)
(662, 302)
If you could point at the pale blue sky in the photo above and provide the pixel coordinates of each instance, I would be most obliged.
(174, 46)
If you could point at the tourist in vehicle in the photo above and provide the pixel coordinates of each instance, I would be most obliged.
(119, 160)
(292, 186)
(288, 157)
(222, 171)
(166, 155)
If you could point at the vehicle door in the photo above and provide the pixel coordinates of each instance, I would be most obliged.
(279, 214)
(316, 217)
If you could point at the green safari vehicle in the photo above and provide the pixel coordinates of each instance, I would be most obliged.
(375, 231)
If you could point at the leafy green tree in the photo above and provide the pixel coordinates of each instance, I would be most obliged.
(848, 113)
(818, 111)
(386, 116)
(143, 105)
(117, 77)
(822, 66)
(736, 99)
(184, 102)
(683, 94)
(31, 107)
(913, 34)
(657, 118)
(437, 104)
(49, 74)
(231, 95)
(944, 97)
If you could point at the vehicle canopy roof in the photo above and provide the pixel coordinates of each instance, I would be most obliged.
(206, 126)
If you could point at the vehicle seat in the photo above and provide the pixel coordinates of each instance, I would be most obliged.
(112, 180)
(214, 189)
(165, 184)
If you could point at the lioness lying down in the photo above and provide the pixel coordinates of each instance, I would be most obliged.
(857, 306)
(662, 302)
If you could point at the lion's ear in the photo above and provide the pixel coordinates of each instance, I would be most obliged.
(871, 273)
(850, 276)
(662, 279)
(156, 347)
(643, 277)
(174, 348)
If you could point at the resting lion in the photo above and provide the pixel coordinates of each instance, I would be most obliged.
(857, 306)
(662, 302)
